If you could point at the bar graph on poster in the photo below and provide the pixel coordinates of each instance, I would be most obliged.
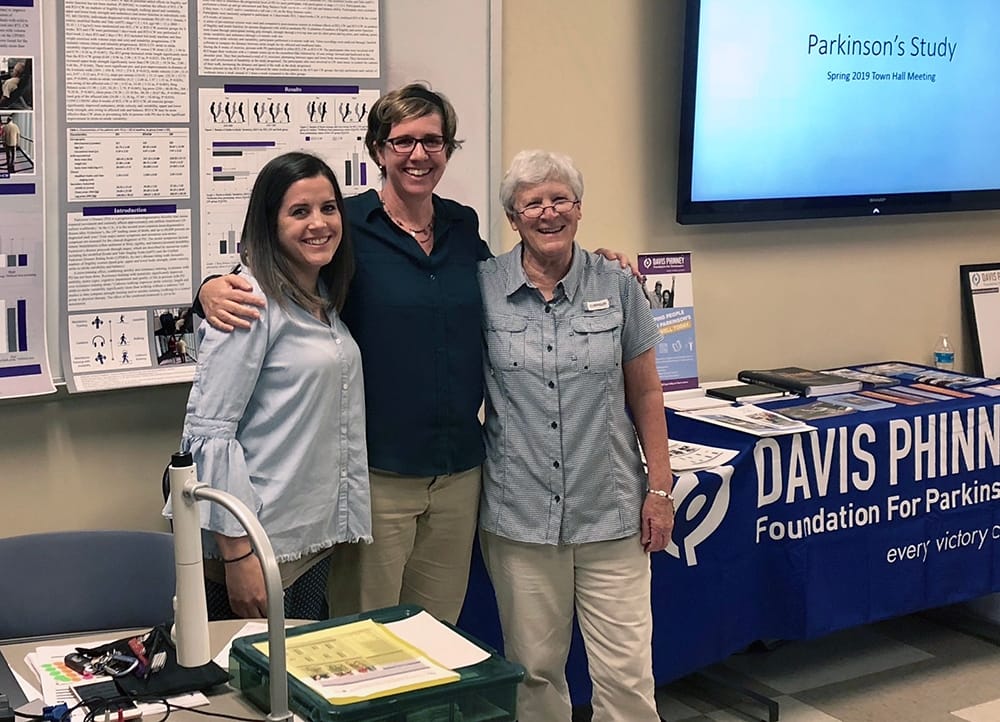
(23, 354)
(244, 126)
(24, 365)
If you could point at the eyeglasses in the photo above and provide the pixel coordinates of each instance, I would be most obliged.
(406, 143)
(537, 210)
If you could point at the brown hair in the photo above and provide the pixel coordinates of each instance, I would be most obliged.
(261, 250)
(411, 101)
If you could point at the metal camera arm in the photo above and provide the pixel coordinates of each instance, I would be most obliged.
(190, 609)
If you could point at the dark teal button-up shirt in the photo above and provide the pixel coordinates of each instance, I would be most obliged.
(417, 320)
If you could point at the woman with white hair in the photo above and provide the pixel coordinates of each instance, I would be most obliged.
(568, 515)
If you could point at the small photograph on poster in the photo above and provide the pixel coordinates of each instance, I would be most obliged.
(17, 130)
(16, 83)
(173, 329)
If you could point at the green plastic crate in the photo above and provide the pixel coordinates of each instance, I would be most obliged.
(486, 692)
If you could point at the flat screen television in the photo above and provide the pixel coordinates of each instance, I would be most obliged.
(825, 108)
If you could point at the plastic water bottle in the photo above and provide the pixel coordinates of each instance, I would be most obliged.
(944, 353)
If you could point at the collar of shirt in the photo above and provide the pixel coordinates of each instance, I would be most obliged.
(370, 204)
(516, 278)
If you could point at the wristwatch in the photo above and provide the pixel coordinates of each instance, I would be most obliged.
(660, 492)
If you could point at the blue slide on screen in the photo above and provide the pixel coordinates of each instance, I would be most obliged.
(844, 97)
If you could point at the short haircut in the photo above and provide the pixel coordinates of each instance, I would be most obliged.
(411, 101)
(531, 167)
(261, 250)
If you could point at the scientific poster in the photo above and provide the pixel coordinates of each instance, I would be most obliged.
(161, 158)
(24, 367)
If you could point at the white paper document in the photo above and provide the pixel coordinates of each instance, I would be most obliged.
(750, 419)
(689, 456)
(438, 641)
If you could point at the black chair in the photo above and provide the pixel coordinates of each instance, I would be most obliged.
(80, 581)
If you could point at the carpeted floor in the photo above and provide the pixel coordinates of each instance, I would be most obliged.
(935, 667)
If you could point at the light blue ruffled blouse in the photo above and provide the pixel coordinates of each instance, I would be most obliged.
(276, 418)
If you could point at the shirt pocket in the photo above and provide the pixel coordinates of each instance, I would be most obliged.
(505, 341)
(599, 339)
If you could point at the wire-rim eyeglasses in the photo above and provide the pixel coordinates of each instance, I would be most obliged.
(537, 210)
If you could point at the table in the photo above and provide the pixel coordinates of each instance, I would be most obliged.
(228, 702)
(486, 689)
(872, 515)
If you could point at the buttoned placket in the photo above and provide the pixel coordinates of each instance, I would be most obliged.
(552, 431)
(345, 411)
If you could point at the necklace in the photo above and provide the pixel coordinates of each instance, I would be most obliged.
(427, 230)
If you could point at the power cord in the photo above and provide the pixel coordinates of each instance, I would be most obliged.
(61, 712)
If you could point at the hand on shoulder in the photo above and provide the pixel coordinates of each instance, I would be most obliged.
(231, 302)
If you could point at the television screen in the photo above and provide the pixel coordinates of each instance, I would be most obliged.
(822, 108)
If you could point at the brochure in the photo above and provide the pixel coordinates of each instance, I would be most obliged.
(924, 375)
(689, 456)
(750, 419)
(927, 392)
(666, 281)
(893, 398)
(864, 377)
(817, 410)
(859, 402)
(949, 392)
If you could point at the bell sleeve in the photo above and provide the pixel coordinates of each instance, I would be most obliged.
(229, 367)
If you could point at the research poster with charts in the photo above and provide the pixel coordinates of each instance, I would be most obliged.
(171, 111)
(24, 366)
(667, 283)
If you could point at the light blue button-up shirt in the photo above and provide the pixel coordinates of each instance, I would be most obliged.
(562, 458)
(276, 417)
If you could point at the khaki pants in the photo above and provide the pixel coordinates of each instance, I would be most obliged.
(422, 531)
(537, 587)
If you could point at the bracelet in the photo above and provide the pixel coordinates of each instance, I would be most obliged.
(660, 492)
(239, 558)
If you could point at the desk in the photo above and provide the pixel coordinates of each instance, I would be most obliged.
(229, 702)
(873, 515)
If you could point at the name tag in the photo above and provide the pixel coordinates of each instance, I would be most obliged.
(601, 305)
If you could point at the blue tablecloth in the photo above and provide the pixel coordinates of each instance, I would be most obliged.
(873, 515)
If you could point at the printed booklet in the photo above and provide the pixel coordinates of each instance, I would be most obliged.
(800, 381)
(749, 419)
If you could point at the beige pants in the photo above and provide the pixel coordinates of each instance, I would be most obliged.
(537, 587)
(422, 530)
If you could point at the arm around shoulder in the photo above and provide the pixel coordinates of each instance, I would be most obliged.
(228, 302)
